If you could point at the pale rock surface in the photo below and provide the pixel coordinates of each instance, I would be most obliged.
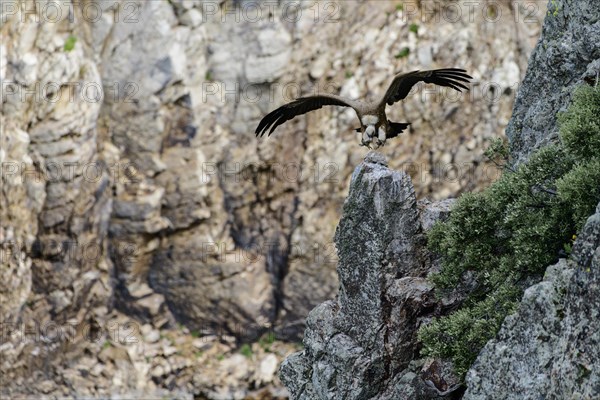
(140, 192)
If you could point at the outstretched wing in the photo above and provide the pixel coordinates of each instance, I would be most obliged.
(402, 83)
(298, 107)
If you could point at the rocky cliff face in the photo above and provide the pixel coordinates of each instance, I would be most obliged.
(134, 192)
(550, 347)
(566, 56)
(363, 344)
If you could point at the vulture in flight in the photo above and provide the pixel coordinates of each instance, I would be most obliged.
(374, 125)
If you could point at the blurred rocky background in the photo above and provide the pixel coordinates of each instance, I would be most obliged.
(151, 245)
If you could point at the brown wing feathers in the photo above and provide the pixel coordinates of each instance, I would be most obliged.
(454, 78)
(449, 77)
(295, 108)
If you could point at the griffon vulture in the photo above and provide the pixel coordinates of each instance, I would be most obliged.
(375, 127)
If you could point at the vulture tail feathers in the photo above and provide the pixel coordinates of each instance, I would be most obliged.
(397, 128)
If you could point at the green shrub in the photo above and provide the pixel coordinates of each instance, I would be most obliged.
(403, 53)
(70, 43)
(462, 334)
(512, 231)
(498, 149)
(580, 188)
(580, 125)
(246, 350)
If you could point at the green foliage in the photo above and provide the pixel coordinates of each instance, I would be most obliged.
(460, 336)
(580, 188)
(467, 238)
(246, 350)
(497, 151)
(266, 341)
(414, 28)
(513, 230)
(513, 226)
(403, 53)
(580, 125)
(70, 43)
(553, 9)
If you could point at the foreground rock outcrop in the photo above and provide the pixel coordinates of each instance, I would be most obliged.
(363, 344)
(550, 348)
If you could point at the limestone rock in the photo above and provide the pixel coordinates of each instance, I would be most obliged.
(132, 147)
